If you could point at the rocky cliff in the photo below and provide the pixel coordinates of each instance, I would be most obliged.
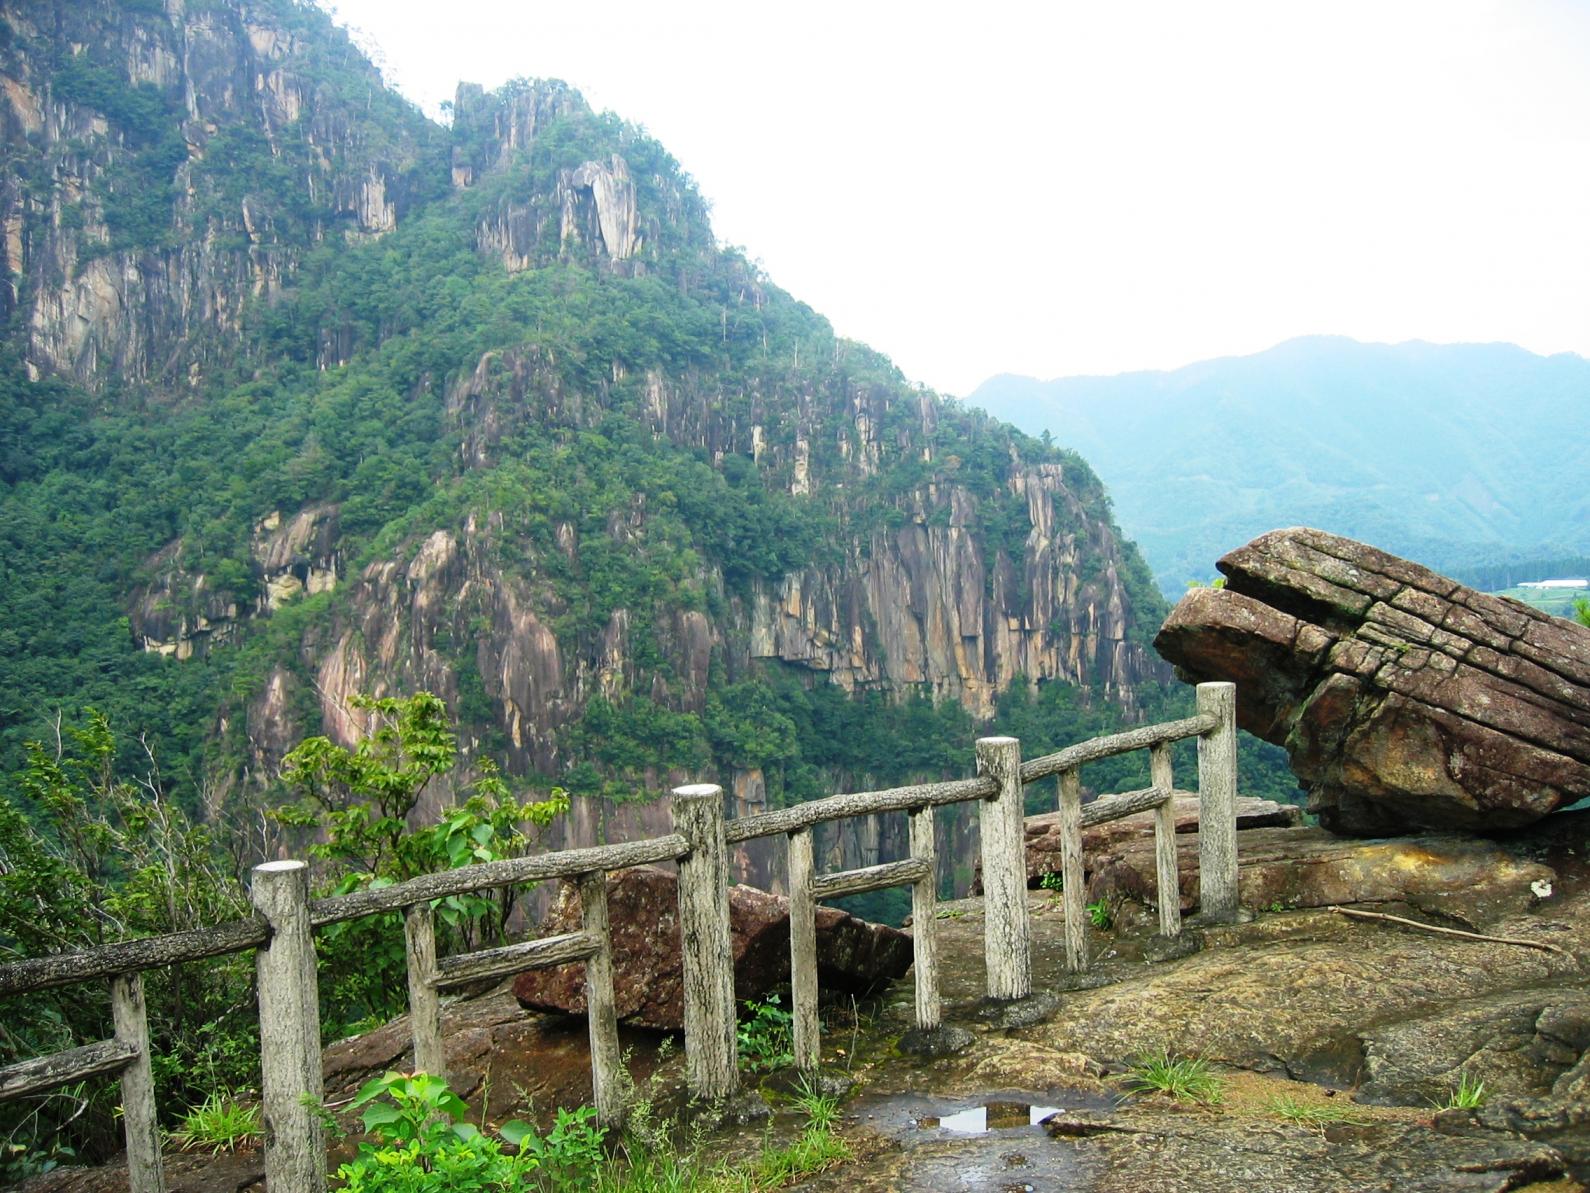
(375, 405)
(167, 163)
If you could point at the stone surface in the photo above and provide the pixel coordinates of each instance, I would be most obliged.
(1043, 831)
(1469, 880)
(1405, 700)
(853, 956)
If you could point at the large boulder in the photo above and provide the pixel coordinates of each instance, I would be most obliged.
(853, 956)
(1405, 700)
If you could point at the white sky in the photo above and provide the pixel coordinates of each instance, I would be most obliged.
(1066, 188)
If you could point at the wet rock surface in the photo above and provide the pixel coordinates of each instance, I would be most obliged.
(1405, 700)
(853, 956)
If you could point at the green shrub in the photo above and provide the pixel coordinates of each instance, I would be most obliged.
(767, 1038)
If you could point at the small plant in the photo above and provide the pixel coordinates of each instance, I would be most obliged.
(1051, 880)
(1276, 905)
(1101, 915)
(821, 1110)
(425, 1143)
(1187, 1079)
(767, 1038)
(1468, 1094)
(218, 1124)
(1310, 1114)
(570, 1155)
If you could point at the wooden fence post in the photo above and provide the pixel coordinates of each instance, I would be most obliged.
(1162, 774)
(425, 1002)
(145, 1172)
(803, 949)
(711, 1060)
(1006, 928)
(1072, 894)
(924, 921)
(289, 1032)
(607, 1090)
(1217, 804)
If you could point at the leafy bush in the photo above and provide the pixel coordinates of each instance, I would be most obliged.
(357, 802)
(424, 1142)
(767, 1037)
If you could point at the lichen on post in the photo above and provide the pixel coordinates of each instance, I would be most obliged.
(1007, 934)
(711, 1057)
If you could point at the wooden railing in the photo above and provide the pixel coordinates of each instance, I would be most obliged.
(282, 933)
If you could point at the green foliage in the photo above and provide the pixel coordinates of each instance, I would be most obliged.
(1186, 1079)
(766, 1037)
(1101, 914)
(1468, 1094)
(1311, 1114)
(426, 1143)
(89, 858)
(1052, 880)
(1581, 611)
(356, 803)
(218, 1124)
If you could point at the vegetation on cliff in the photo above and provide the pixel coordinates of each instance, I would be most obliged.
(619, 435)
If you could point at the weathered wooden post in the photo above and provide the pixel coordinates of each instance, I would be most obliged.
(289, 1032)
(803, 949)
(145, 1172)
(1071, 890)
(1217, 804)
(1162, 775)
(425, 1003)
(607, 1088)
(1006, 927)
(924, 921)
(711, 1061)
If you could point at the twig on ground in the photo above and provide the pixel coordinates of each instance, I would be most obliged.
(1397, 919)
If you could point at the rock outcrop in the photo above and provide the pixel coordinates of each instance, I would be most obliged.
(1404, 699)
(648, 977)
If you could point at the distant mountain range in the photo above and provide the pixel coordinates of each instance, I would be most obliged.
(1457, 455)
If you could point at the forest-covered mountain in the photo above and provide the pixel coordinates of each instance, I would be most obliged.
(303, 395)
(1459, 455)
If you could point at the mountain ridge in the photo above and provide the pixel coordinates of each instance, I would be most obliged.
(1456, 454)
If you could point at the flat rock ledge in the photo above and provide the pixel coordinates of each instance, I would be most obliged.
(1405, 700)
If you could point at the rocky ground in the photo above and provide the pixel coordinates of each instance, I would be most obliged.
(1370, 1024)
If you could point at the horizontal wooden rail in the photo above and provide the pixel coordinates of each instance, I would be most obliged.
(514, 958)
(565, 863)
(869, 878)
(1116, 743)
(63, 1068)
(860, 803)
(130, 956)
(1126, 803)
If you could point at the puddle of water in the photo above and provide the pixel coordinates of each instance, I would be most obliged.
(991, 1116)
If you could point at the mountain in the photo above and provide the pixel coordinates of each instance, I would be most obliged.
(1456, 455)
(305, 395)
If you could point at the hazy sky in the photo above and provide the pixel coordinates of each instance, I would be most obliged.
(1066, 188)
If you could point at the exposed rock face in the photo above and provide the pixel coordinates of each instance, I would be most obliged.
(648, 978)
(1404, 699)
(101, 299)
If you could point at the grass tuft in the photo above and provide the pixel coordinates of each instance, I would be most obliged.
(218, 1124)
(1310, 1114)
(1187, 1079)
(1468, 1094)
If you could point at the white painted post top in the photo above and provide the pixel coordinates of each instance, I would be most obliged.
(697, 790)
(280, 867)
(996, 741)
